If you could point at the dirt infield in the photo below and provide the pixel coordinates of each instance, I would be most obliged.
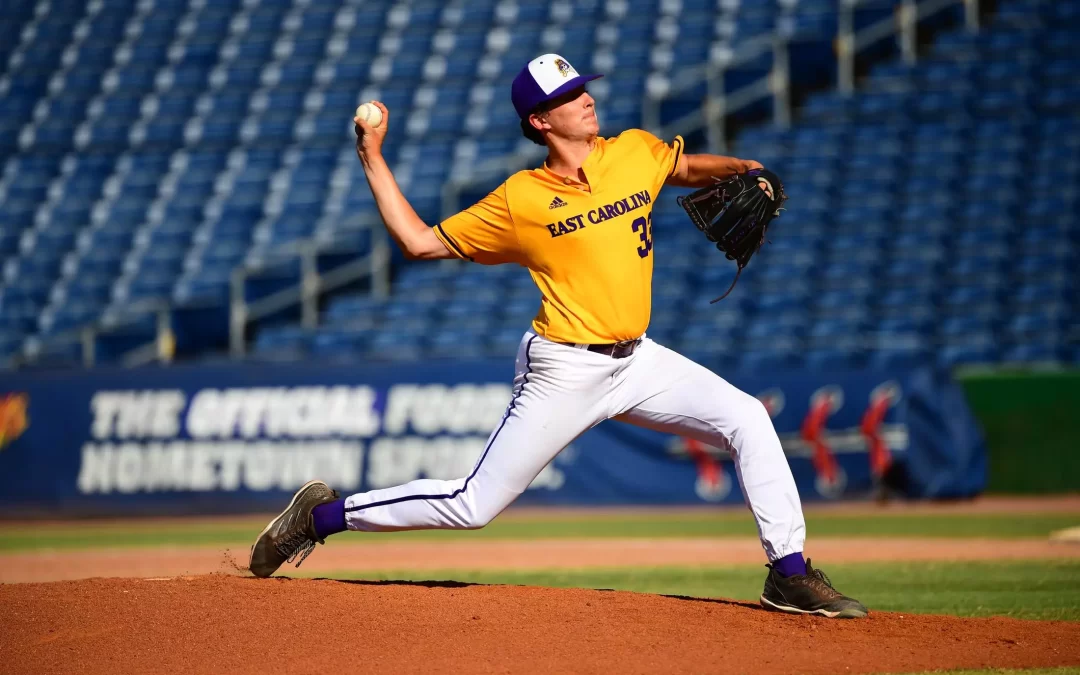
(195, 610)
(243, 625)
(478, 554)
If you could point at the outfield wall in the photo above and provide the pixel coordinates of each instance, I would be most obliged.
(1032, 426)
(242, 437)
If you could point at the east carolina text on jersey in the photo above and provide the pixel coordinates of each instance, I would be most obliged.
(597, 216)
(595, 285)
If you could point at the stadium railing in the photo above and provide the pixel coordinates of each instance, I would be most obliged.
(902, 25)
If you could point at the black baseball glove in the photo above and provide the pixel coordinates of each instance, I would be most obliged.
(735, 213)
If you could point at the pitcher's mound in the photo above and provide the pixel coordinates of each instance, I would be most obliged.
(229, 624)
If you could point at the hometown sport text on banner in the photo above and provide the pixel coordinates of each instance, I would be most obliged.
(207, 439)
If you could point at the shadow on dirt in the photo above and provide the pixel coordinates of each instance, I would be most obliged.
(433, 583)
(401, 582)
(747, 604)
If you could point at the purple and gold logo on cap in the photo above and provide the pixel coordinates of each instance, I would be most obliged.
(13, 417)
(563, 66)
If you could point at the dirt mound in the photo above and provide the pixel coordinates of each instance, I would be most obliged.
(222, 623)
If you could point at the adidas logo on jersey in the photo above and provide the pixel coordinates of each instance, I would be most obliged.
(556, 203)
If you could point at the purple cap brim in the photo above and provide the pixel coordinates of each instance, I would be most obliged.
(569, 86)
(525, 101)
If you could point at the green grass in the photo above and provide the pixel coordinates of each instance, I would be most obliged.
(1021, 589)
(725, 523)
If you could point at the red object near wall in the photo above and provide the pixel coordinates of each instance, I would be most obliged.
(822, 406)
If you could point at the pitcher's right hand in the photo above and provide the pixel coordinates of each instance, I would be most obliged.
(369, 139)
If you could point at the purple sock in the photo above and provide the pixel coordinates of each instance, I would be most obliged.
(790, 565)
(329, 518)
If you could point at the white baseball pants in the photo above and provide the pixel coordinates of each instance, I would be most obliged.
(561, 391)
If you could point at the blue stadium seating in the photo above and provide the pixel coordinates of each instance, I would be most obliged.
(147, 148)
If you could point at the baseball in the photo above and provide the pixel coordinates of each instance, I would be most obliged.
(370, 113)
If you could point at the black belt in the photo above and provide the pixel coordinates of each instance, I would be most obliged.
(616, 350)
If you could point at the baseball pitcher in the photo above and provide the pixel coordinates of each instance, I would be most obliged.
(582, 225)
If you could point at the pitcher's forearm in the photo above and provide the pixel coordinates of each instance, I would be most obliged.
(405, 227)
(701, 170)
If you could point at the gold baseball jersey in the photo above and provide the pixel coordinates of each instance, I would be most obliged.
(587, 246)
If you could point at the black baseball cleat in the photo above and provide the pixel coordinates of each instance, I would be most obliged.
(809, 593)
(292, 533)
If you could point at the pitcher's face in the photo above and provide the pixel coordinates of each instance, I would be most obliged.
(573, 115)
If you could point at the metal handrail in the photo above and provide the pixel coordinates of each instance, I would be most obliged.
(375, 265)
(161, 348)
(904, 24)
(712, 75)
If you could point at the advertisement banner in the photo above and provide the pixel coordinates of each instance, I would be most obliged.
(243, 437)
